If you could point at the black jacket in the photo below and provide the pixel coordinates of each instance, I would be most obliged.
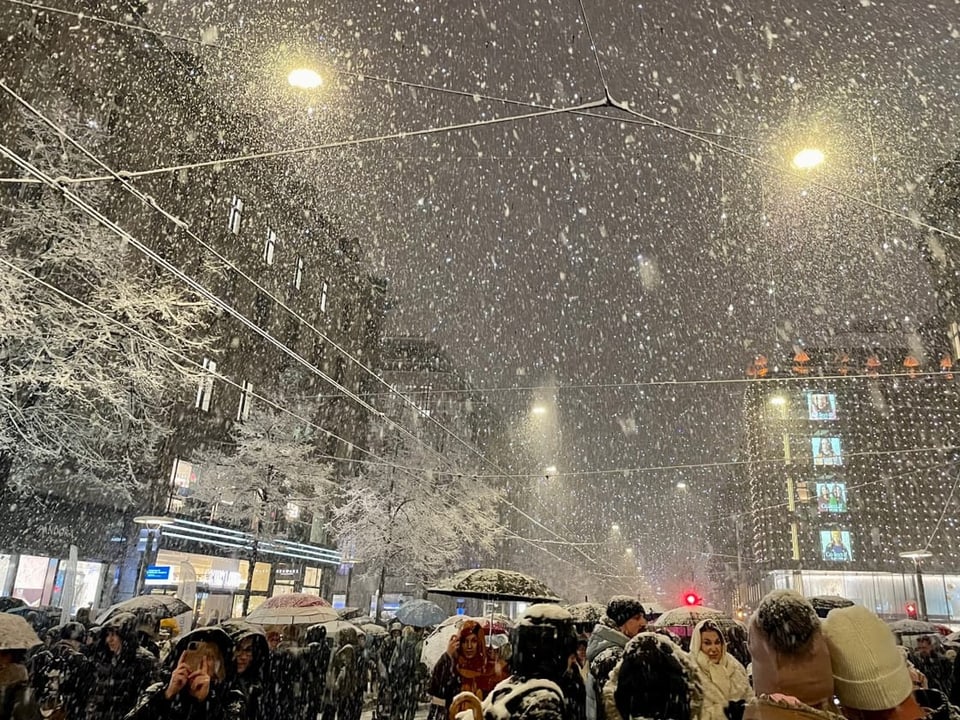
(251, 682)
(119, 679)
(224, 702)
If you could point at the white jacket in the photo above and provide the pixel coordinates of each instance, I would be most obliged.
(723, 683)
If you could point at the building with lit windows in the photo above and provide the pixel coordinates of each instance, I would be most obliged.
(270, 227)
(850, 458)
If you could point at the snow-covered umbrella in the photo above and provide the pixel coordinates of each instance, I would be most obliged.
(16, 633)
(150, 608)
(587, 613)
(293, 609)
(823, 604)
(334, 627)
(372, 630)
(913, 627)
(686, 616)
(421, 613)
(495, 584)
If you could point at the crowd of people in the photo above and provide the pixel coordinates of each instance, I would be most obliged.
(792, 666)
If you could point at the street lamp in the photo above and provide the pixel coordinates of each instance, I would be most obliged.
(152, 523)
(550, 470)
(538, 410)
(918, 556)
(681, 485)
(305, 79)
(808, 158)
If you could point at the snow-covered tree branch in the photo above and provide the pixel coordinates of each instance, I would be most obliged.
(80, 392)
(272, 468)
(418, 522)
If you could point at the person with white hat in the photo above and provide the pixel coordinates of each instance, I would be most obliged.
(870, 677)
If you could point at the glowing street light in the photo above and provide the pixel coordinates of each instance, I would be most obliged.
(681, 485)
(808, 158)
(538, 410)
(778, 400)
(550, 470)
(305, 79)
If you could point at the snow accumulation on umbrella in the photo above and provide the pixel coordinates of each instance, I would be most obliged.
(531, 699)
(541, 612)
(495, 583)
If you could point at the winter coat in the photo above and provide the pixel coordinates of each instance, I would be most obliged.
(937, 669)
(403, 676)
(62, 678)
(443, 686)
(937, 705)
(516, 699)
(119, 679)
(604, 650)
(723, 683)
(17, 699)
(250, 682)
(224, 701)
(784, 707)
(342, 681)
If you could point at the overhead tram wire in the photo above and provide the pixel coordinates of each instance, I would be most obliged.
(198, 287)
(239, 316)
(277, 406)
(150, 202)
(99, 217)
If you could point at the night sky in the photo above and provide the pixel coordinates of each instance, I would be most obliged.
(593, 250)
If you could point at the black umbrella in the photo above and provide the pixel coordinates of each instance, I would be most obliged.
(494, 584)
(823, 604)
(148, 608)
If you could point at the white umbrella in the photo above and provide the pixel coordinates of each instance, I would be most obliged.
(16, 633)
(372, 630)
(296, 615)
(686, 616)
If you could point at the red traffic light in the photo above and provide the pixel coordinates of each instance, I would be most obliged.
(912, 611)
(691, 599)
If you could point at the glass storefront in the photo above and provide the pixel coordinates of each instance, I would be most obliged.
(884, 593)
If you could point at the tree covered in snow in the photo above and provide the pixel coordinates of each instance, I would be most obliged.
(271, 473)
(415, 519)
(83, 393)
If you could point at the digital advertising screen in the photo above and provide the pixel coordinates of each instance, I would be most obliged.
(826, 451)
(836, 546)
(822, 406)
(831, 497)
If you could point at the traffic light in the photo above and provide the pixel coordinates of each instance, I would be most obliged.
(691, 599)
(912, 610)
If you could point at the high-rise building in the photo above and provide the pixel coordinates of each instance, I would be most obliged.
(850, 459)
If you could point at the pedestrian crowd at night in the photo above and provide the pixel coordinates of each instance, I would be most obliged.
(787, 664)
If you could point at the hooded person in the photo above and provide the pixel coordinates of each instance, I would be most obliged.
(199, 686)
(251, 655)
(870, 675)
(654, 680)
(62, 674)
(122, 669)
(466, 666)
(314, 660)
(624, 619)
(542, 685)
(792, 676)
(342, 681)
(724, 679)
(403, 676)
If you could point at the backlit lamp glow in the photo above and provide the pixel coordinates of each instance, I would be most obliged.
(808, 158)
(304, 78)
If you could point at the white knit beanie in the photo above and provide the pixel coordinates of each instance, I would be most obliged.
(869, 672)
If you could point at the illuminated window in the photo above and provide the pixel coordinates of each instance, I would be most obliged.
(246, 398)
(270, 246)
(298, 274)
(205, 390)
(236, 215)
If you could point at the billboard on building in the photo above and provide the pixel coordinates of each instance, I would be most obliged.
(821, 406)
(826, 451)
(836, 545)
(832, 497)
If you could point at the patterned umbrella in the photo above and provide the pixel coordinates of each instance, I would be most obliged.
(293, 609)
(494, 584)
(421, 613)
